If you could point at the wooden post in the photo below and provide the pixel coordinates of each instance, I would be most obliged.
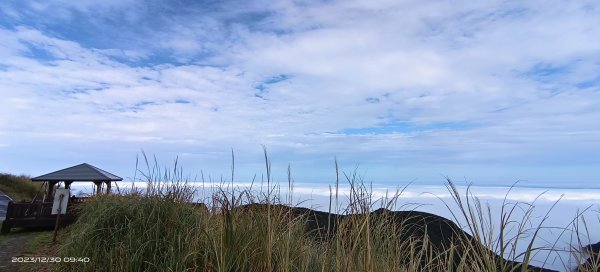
(51, 189)
(39, 209)
(57, 218)
(98, 184)
(108, 183)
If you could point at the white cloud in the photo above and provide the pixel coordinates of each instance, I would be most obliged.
(461, 76)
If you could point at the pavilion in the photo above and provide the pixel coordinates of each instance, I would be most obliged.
(39, 213)
(79, 173)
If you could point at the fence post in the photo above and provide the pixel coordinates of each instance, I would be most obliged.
(9, 210)
(39, 209)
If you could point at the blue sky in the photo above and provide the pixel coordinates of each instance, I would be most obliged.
(490, 92)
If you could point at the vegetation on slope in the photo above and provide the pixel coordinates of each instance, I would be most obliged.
(19, 188)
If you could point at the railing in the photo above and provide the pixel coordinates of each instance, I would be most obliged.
(37, 215)
(28, 210)
(18, 210)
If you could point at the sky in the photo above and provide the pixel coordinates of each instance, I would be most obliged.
(489, 92)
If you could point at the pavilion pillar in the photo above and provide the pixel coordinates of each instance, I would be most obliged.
(68, 184)
(98, 187)
(108, 184)
(51, 185)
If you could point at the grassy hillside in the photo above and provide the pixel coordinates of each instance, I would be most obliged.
(19, 188)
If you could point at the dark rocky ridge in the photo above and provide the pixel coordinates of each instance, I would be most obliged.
(594, 251)
(442, 232)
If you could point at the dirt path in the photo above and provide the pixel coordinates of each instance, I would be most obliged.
(12, 246)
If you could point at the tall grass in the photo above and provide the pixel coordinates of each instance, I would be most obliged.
(159, 228)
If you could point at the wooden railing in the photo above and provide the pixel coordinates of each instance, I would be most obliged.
(18, 210)
(28, 210)
(37, 215)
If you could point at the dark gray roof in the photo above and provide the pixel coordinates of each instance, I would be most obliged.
(82, 172)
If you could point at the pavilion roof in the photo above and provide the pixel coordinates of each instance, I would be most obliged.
(82, 172)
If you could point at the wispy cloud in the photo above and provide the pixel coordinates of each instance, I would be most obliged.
(435, 87)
